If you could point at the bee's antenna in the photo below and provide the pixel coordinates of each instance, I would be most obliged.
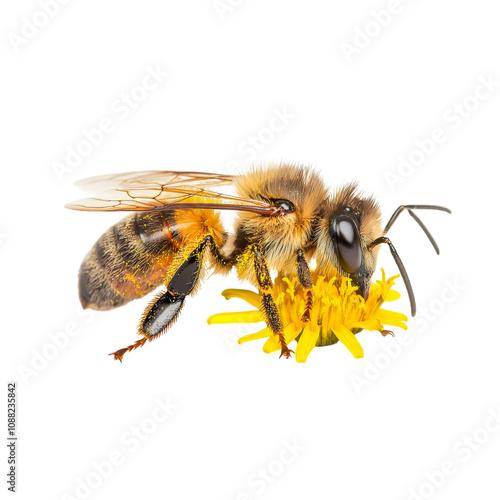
(401, 208)
(401, 268)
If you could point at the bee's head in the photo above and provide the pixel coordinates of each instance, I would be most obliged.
(297, 192)
(349, 223)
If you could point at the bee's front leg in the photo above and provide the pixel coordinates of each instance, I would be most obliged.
(268, 305)
(165, 308)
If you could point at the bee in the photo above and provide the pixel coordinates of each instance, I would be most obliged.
(174, 235)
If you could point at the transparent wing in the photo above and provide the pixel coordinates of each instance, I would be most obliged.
(149, 178)
(161, 190)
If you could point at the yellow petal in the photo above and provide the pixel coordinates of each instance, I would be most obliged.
(370, 324)
(350, 341)
(251, 297)
(391, 295)
(273, 344)
(306, 344)
(267, 332)
(394, 322)
(392, 318)
(336, 307)
(291, 332)
(236, 317)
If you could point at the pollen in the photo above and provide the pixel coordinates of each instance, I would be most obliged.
(337, 314)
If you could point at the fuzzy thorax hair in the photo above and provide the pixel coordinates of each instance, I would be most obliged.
(282, 237)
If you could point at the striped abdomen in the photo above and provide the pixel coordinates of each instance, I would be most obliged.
(129, 260)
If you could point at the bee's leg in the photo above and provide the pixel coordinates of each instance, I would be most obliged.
(268, 305)
(165, 309)
(304, 274)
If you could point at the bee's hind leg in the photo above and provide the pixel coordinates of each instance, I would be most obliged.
(165, 308)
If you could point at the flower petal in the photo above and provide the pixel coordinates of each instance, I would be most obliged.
(236, 317)
(336, 308)
(252, 298)
(306, 344)
(390, 317)
(273, 344)
(391, 295)
(291, 333)
(370, 324)
(350, 341)
(262, 334)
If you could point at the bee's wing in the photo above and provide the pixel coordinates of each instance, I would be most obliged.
(161, 190)
(134, 180)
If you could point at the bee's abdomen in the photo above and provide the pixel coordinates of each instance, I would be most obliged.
(129, 260)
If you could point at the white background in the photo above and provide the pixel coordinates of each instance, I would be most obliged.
(379, 427)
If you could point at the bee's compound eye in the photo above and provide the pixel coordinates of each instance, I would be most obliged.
(285, 206)
(348, 243)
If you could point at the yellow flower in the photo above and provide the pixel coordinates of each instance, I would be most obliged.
(337, 313)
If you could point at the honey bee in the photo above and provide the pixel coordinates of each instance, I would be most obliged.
(285, 216)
